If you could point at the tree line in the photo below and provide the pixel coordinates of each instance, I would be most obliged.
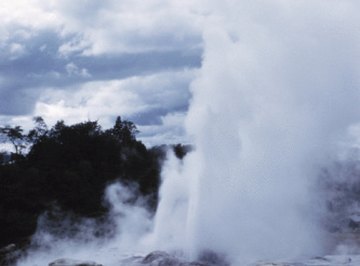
(69, 167)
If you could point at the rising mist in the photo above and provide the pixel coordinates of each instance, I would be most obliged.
(271, 105)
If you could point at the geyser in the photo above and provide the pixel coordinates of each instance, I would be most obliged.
(273, 101)
(276, 94)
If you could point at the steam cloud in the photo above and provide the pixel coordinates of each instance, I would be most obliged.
(128, 223)
(276, 95)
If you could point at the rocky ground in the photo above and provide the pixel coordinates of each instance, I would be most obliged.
(331, 260)
(10, 254)
(160, 258)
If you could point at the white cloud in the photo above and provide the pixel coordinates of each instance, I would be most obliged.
(72, 29)
(25, 121)
(128, 26)
(170, 131)
(33, 14)
(75, 45)
(107, 26)
(16, 50)
(93, 28)
(21, 20)
(154, 95)
(95, 100)
(73, 70)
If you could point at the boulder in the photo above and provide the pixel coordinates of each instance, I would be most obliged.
(161, 258)
(209, 257)
(71, 262)
(8, 248)
(9, 254)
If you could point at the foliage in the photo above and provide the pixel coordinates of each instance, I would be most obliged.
(15, 136)
(69, 167)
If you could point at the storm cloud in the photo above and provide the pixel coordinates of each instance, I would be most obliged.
(97, 60)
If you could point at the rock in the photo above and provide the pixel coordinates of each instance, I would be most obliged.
(329, 260)
(132, 260)
(71, 262)
(9, 254)
(354, 225)
(8, 248)
(161, 258)
(155, 255)
(209, 257)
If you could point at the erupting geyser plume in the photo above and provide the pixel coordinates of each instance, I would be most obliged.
(276, 94)
(273, 101)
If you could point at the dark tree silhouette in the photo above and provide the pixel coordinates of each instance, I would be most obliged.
(40, 130)
(15, 136)
(68, 167)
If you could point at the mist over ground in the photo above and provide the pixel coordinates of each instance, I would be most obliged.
(274, 123)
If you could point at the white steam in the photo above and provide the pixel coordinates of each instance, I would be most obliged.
(129, 223)
(275, 97)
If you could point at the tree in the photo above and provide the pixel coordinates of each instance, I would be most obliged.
(124, 131)
(15, 136)
(40, 130)
(69, 166)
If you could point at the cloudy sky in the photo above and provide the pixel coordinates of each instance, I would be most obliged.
(90, 59)
(80, 60)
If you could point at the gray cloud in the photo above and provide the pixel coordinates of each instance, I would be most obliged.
(42, 67)
(14, 101)
(129, 26)
(97, 60)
